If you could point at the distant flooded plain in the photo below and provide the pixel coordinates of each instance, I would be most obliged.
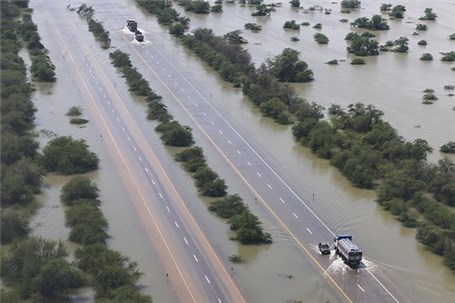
(392, 82)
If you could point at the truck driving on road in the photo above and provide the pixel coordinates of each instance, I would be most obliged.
(348, 250)
(132, 25)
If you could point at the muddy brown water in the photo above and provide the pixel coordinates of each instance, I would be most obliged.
(392, 82)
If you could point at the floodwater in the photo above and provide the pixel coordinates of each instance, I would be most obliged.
(392, 82)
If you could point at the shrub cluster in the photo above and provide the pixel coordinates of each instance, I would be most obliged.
(321, 38)
(136, 83)
(377, 22)
(229, 59)
(253, 27)
(291, 25)
(95, 26)
(112, 276)
(68, 156)
(42, 68)
(38, 269)
(246, 226)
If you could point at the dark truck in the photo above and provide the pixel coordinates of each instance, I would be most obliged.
(132, 25)
(139, 36)
(348, 250)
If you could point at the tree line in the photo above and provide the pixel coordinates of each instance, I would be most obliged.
(95, 26)
(357, 141)
(245, 225)
(33, 268)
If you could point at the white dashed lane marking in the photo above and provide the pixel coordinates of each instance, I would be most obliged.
(309, 231)
(259, 175)
(186, 241)
(239, 152)
(248, 162)
(269, 186)
(176, 224)
(194, 256)
(208, 281)
(282, 201)
(161, 196)
(361, 288)
(295, 215)
(146, 169)
(168, 210)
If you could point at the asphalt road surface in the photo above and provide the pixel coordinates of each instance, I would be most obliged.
(239, 151)
(192, 266)
(270, 188)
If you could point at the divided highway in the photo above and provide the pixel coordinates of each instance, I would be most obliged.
(200, 273)
(285, 205)
(192, 266)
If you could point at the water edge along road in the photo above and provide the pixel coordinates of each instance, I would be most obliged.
(192, 265)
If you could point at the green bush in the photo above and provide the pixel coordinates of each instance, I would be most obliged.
(13, 226)
(321, 38)
(228, 206)
(421, 27)
(291, 25)
(174, 134)
(357, 61)
(78, 188)
(69, 156)
(448, 148)
(253, 27)
(350, 4)
(426, 57)
(74, 111)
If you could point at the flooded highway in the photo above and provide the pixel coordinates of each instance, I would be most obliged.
(344, 209)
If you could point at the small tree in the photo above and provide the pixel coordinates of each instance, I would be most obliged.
(429, 15)
(426, 57)
(352, 4)
(398, 11)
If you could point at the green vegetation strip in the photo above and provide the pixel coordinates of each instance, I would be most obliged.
(42, 68)
(35, 269)
(94, 26)
(245, 225)
(112, 275)
(366, 149)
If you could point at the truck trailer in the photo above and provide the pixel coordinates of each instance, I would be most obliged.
(348, 250)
